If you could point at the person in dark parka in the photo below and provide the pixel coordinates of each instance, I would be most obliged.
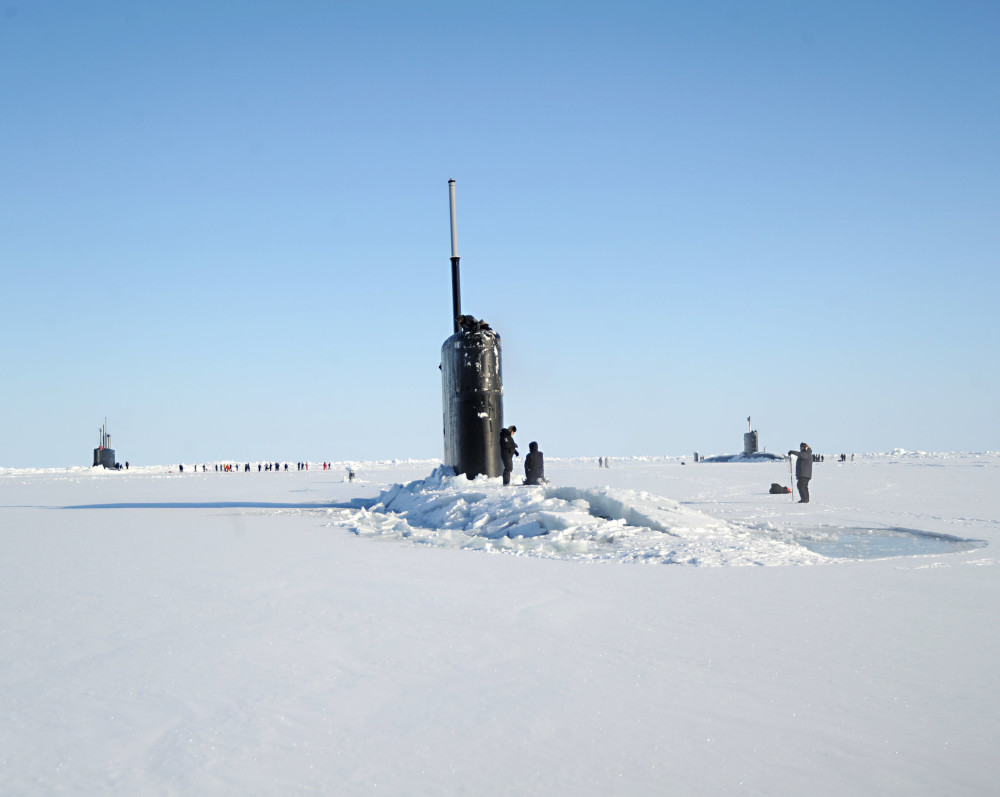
(803, 470)
(534, 465)
(508, 450)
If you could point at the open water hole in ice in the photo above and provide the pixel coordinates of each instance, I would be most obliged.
(865, 543)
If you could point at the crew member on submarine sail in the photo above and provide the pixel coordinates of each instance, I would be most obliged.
(472, 384)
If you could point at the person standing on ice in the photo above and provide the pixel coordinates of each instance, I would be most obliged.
(508, 450)
(534, 465)
(803, 470)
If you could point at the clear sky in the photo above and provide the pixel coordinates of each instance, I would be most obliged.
(224, 225)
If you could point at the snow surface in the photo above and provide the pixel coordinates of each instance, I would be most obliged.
(415, 633)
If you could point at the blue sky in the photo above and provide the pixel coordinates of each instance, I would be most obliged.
(224, 225)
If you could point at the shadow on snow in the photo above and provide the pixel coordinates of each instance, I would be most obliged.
(215, 505)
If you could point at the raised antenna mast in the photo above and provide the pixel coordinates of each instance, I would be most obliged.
(456, 288)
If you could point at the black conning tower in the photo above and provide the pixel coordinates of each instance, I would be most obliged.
(472, 384)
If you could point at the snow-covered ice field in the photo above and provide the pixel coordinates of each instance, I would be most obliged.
(653, 628)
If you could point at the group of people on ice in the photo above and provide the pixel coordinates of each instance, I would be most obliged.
(534, 463)
(235, 467)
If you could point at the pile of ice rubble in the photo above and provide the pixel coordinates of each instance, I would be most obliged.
(563, 522)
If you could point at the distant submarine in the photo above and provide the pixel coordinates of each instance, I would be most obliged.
(750, 453)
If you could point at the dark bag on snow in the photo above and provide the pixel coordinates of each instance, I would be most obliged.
(777, 489)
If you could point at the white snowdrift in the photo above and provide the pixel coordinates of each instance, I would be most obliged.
(565, 522)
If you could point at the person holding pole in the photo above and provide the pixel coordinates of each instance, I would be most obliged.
(803, 470)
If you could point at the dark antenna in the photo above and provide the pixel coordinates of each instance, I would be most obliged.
(456, 287)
